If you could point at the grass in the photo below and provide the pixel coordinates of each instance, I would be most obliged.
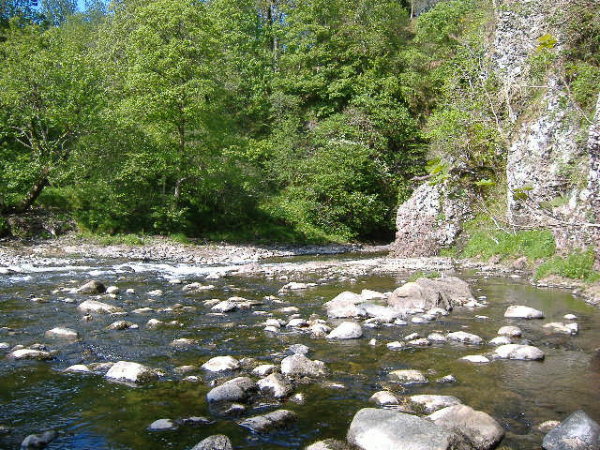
(534, 244)
(114, 239)
(579, 265)
(420, 274)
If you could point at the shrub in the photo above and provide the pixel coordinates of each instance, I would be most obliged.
(578, 265)
(533, 244)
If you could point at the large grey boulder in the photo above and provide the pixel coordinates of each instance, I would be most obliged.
(346, 330)
(130, 372)
(236, 390)
(300, 366)
(381, 429)
(576, 432)
(425, 294)
(215, 442)
(345, 305)
(479, 429)
(520, 352)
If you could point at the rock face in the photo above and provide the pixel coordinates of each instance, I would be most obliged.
(479, 429)
(429, 221)
(379, 429)
(130, 372)
(576, 432)
(425, 294)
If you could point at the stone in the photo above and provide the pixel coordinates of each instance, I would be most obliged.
(448, 379)
(275, 385)
(547, 426)
(38, 440)
(300, 366)
(396, 345)
(570, 317)
(113, 290)
(162, 425)
(155, 293)
(263, 370)
(224, 307)
(131, 372)
(437, 338)
(383, 314)
(221, 364)
(154, 323)
(384, 398)
(297, 349)
(519, 352)
(196, 287)
(500, 340)
(62, 333)
(576, 432)
(294, 286)
(120, 325)
(268, 422)
(78, 368)
(480, 429)
(562, 328)
(215, 442)
(345, 305)
(408, 377)
(346, 330)
(432, 403)
(510, 331)
(93, 306)
(465, 338)
(421, 342)
(368, 294)
(30, 353)
(92, 287)
(384, 429)
(477, 359)
(183, 342)
(236, 390)
(523, 312)
(328, 444)
(425, 294)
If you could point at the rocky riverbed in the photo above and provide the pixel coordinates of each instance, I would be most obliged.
(289, 353)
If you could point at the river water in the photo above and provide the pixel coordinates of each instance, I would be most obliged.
(92, 413)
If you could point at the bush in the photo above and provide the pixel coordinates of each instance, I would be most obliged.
(578, 265)
(533, 244)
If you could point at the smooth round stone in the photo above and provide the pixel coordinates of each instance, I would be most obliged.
(62, 333)
(523, 312)
(162, 425)
(78, 368)
(477, 359)
(221, 364)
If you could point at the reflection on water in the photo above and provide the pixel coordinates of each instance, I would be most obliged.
(93, 413)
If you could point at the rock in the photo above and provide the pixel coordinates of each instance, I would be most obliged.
(120, 325)
(328, 444)
(78, 368)
(570, 317)
(446, 379)
(500, 340)
(183, 342)
(437, 338)
(268, 422)
(465, 338)
(346, 330)
(297, 323)
(320, 330)
(215, 442)
(154, 323)
(145, 310)
(297, 349)
(383, 314)
(93, 306)
(275, 385)
(300, 366)
(510, 331)
(384, 398)
(520, 352)
(432, 403)
(221, 364)
(382, 429)
(477, 359)
(293, 286)
(396, 345)
(155, 293)
(273, 323)
(263, 370)
(236, 390)
(224, 307)
(547, 426)
(421, 342)
(412, 336)
(345, 305)
(480, 429)
(562, 328)
(162, 425)
(196, 287)
(29, 353)
(113, 290)
(38, 440)
(62, 333)
(92, 287)
(523, 312)
(271, 329)
(367, 295)
(131, 372)
(576, 432)
(425, 294)
(408, 377)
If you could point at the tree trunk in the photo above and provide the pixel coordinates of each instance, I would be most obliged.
(33, 193)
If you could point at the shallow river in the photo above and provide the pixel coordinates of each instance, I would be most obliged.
(92, 413)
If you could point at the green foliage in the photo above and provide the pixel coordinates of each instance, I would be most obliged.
(577, 265)
(485, 243)
(420, 274)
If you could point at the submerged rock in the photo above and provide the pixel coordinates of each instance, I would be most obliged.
(215, 442)
(78, 368)
(382, 429)
(477, 359)
(523, 312)
(479, 429)
(346, 330)
(268, 422)
(131, 372)
(121, 325)
(576, 432)
(38, 440)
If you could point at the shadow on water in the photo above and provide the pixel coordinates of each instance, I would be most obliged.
(91, 412)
